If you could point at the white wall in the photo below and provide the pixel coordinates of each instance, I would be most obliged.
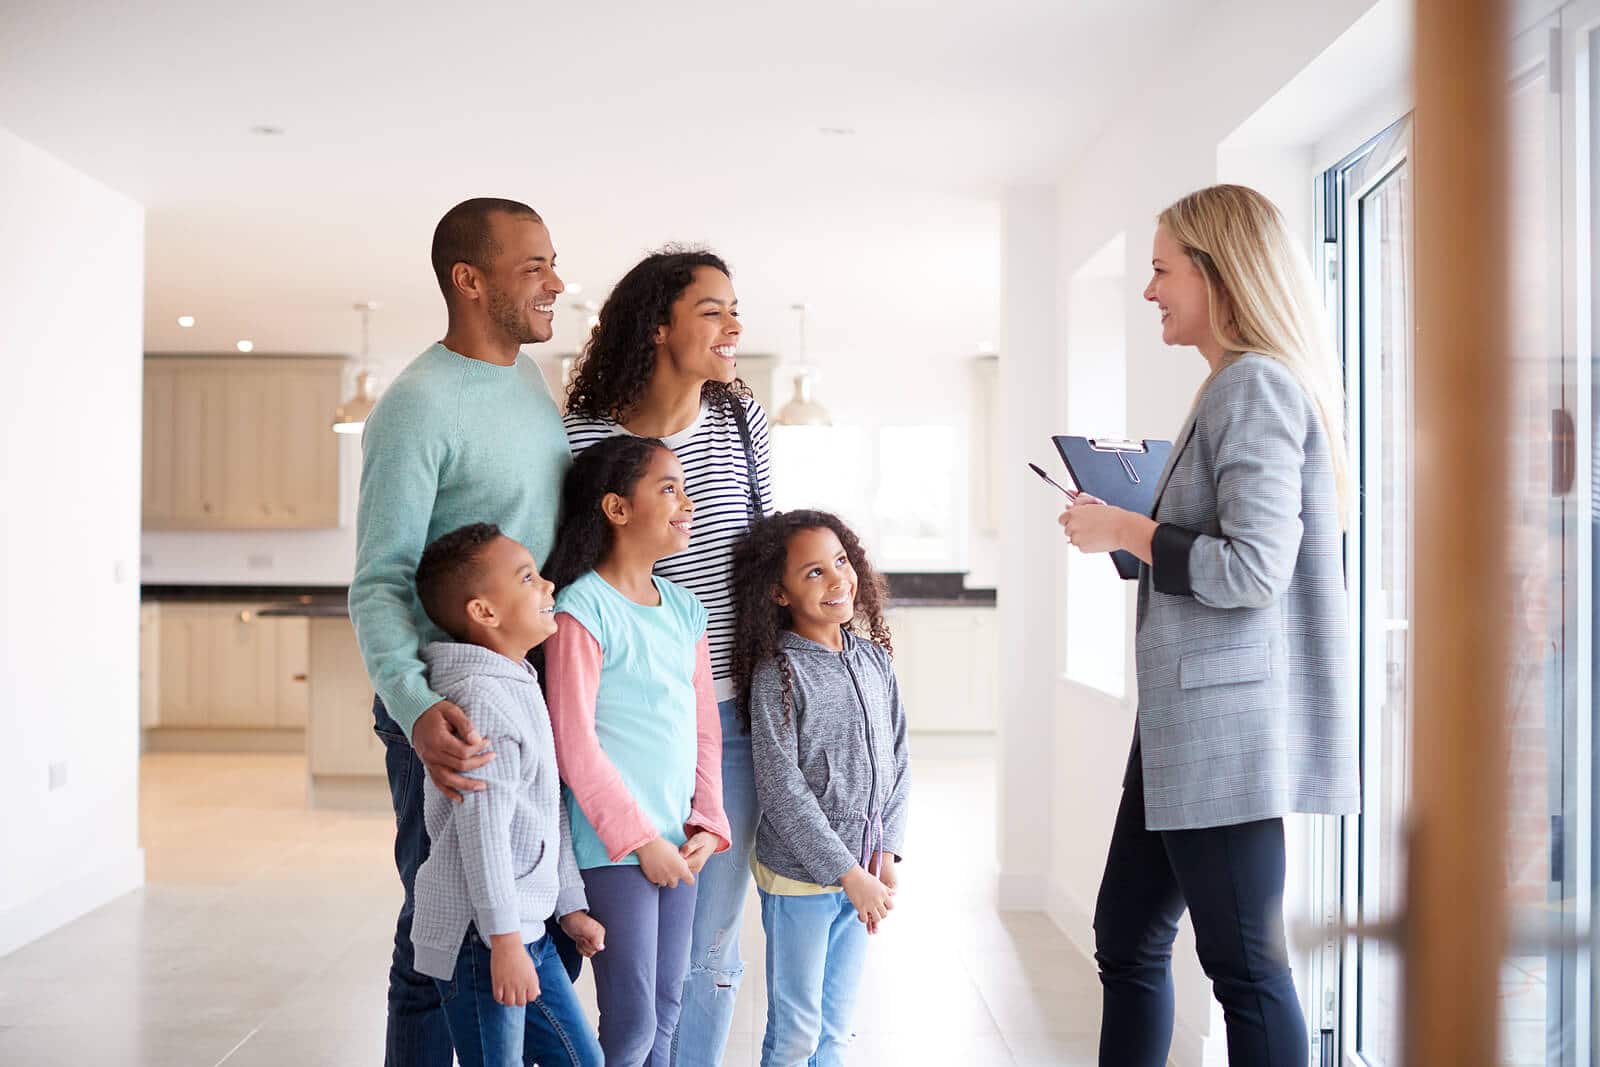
(1096, 399)
(1176, 137)
(1030, 625)
(72, 275)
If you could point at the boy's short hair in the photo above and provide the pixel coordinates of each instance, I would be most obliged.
(448, 572)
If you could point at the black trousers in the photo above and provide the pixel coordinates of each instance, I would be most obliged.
(1231, 880)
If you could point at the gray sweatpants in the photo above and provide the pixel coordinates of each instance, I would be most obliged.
(638, 977)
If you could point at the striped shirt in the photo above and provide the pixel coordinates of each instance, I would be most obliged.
(717, 479)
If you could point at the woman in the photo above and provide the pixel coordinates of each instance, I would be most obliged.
(661, 363)
(1244, 709)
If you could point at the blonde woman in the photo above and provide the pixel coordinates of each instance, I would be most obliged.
(1244, 710)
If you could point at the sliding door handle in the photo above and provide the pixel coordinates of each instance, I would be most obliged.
(1563, 452)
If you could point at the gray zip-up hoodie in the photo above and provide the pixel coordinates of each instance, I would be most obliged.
(502, 858)
(833, 780)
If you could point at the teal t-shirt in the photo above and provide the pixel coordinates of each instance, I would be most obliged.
(452, 441)
(645, 712)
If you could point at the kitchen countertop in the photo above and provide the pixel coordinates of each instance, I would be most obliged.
(267, 593)
(331, 601)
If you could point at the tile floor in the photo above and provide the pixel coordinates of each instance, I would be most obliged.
(262, 938)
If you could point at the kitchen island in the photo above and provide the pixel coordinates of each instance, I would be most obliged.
(233, 668)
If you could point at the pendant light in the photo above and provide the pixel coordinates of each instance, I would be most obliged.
(351, 416)
(803, 408)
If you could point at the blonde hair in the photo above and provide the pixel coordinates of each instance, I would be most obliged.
(1263, 299)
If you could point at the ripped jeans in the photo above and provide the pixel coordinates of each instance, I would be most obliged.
(715, 969)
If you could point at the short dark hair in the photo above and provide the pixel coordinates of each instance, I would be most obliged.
(464, 236)
(448, 572)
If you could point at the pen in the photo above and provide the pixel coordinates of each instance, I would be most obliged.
(1071, 494)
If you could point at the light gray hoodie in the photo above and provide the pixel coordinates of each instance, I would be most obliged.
(834, 779)
(502, 858)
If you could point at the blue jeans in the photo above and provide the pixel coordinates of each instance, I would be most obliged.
(552, 1031)
(715, 969)
(418, 1035)
(1231, 880)
(816, 947)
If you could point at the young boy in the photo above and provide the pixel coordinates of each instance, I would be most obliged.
(501, 860)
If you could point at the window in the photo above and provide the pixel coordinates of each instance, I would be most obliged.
(902, 489)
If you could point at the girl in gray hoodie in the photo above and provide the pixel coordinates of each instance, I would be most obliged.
(828, 739)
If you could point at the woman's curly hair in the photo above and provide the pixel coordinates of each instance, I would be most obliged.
(759, 560)
(620, 355)
(584, 535)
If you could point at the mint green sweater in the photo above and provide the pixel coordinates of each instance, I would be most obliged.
(453, 441)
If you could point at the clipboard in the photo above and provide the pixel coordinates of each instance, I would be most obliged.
(1120, 472)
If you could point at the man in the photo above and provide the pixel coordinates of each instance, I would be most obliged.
(466, 433)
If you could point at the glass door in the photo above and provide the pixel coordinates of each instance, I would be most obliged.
(1368, 235)
(1548, 503)
(1538, 979)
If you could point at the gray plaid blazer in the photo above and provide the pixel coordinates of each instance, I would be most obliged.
(1245, 703)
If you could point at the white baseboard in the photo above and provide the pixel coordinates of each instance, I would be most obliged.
(1020, 892)
(1074, 920)
(1076, 923)
(61, 904)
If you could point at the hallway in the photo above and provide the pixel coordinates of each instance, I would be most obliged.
(263, 932)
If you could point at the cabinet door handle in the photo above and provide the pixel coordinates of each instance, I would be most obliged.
(297, 677)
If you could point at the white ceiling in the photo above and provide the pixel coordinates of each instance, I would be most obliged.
(627, 124)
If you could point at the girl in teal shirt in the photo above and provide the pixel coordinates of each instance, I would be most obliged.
(638, 738)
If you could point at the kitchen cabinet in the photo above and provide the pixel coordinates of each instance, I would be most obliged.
(756, 371)
(149, 662)
(185, 669)
(197, 442)
(240, 443)
(340, 741)
(947, 663)
(220, 666)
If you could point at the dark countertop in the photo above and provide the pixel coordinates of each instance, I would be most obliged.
(331, 601)
(267, 593)
(299, 609)
(972, 598)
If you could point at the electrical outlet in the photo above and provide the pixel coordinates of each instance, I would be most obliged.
(58, 775)
(261, 561)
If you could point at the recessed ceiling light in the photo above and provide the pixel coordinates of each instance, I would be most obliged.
(837, 131)
(186, 321)
(266, 130)
(245, 346)
(574, 289)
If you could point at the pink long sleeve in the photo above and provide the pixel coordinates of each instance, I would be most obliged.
(706, 811)
(572, 663)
